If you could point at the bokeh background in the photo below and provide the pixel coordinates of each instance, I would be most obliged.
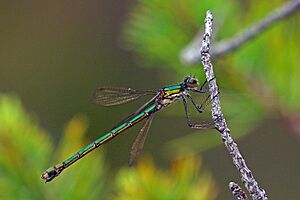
(54, 54)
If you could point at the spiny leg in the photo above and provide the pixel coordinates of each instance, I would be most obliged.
(205, 101)
(189, 121)
(200, 108)
(203, 85)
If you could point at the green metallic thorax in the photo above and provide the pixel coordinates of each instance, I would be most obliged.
(173, 87)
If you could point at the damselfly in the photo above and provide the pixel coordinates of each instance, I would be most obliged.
(109, 96)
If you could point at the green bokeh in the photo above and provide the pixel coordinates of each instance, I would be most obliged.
(53, 55)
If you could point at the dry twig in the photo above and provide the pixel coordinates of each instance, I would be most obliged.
(237, 191)
(191, 54)
(256, 192)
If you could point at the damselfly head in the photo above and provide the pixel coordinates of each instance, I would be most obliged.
(190, 82)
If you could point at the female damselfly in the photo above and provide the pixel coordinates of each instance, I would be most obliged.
(109, 96)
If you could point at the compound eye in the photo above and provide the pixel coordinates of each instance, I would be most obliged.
(193, 83)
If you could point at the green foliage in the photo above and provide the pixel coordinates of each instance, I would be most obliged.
(158, 30)
(257, 80)
(182, 180)
(26, 151)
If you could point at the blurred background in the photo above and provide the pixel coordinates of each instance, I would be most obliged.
(54, 54)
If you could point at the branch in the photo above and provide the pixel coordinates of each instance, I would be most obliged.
(237, 191)
(256, 192)
(190, 54)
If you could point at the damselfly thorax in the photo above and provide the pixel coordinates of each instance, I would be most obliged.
(168, 95)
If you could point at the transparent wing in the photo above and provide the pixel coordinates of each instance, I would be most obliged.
(139, 142)
(110, 96)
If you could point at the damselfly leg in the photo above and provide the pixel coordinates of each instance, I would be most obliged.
(201, 125)
(205, 100)
(200, 108)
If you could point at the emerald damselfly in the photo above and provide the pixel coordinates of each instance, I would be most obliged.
(109, 96)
